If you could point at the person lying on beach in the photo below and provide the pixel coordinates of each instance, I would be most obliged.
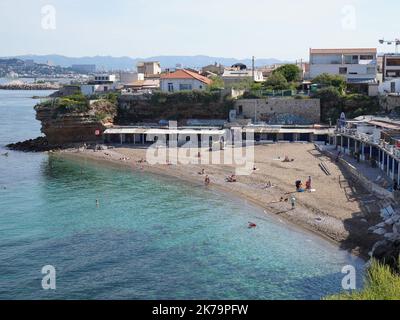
(231, 178)
(287, 159)
(202, 172)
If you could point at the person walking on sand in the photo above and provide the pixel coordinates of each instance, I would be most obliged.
(207, 180)
(293, 202)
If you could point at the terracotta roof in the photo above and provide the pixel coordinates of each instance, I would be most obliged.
(186, 74)
(344, 51)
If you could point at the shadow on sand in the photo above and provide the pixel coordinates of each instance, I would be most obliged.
(359, 240)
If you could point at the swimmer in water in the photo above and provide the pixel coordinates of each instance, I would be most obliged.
(97, 203)
(252, 225)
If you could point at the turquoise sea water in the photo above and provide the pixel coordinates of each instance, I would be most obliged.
(150, 238)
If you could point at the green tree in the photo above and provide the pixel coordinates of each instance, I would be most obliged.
(328, 80)
(291, 72)
(217, 84)
(277, 81)
(245, 84)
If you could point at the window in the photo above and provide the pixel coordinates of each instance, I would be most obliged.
(392, 73)
(183, 87)
(393, 87)
(367, 57)
(342, 70)
(170, 87)
(187, 138)
(351, 59)
(393, 62)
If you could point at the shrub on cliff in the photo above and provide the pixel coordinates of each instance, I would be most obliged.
(104, 110)
(380, 284)
(333, 103)
(184, 97)
(77, 103)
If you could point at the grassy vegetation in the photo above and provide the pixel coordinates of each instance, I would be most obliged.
(103, 110)
(184, 97)
(334, 102)
(380, 284)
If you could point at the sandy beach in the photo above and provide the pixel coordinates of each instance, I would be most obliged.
(337, 210)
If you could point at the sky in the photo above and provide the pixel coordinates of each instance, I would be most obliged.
(283, 29)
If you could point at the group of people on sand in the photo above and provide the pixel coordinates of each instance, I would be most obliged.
(300, 187)
(292, 201)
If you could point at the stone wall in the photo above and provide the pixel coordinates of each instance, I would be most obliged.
(178, 107)
(280, 110)
(388, 103)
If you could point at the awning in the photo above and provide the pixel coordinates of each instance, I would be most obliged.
(163, 131)
(361, 81)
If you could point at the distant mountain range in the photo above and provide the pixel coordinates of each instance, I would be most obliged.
(127, 63)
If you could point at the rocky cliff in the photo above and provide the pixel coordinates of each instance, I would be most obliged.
(65, 122)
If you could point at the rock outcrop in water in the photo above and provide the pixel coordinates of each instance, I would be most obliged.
(39, 144)
(19, 85)
(74, 119)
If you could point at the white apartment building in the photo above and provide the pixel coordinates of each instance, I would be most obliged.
(235, 76)
(149, 68)
(105, 78)
(100, 84)
(127, 78)
(390, 74)
(357, 66)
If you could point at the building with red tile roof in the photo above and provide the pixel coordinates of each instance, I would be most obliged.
(183, 80)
